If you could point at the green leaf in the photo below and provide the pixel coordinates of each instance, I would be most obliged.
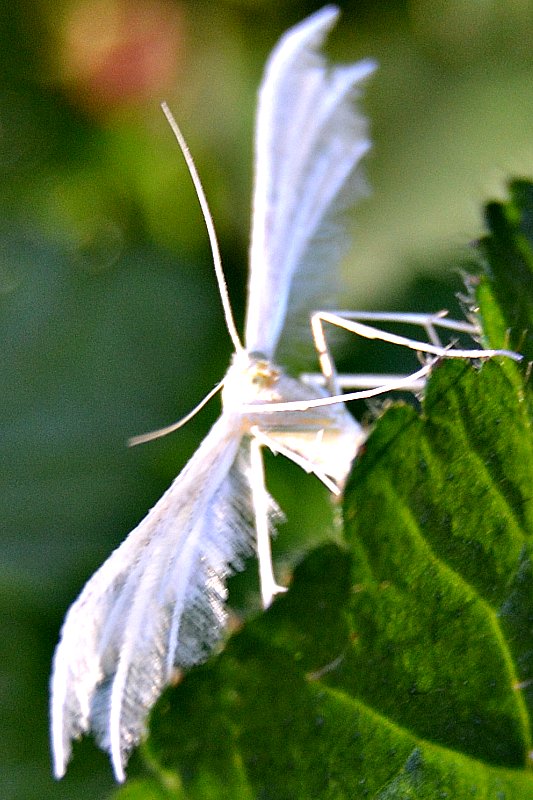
(507, 253)
(401, 666)
(445, 607)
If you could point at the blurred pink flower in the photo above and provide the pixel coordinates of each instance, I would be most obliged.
(121, 52)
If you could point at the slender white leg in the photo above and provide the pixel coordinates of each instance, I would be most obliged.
(276, 447)
(325, 359)
(268, 585)
(371, 385)
(345, 319)
(352, 321)
(336, 383)
(429, 322)
(387, 382)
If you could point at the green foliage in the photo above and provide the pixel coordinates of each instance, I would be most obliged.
(508, 256)
(399, 665)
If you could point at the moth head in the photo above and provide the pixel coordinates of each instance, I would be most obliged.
(252, 378)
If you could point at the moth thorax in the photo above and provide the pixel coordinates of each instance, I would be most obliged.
(251, 378)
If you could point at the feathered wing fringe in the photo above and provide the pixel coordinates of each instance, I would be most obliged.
(156, 604)
(310, 138)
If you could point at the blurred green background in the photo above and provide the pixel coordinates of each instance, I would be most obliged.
(110, 323)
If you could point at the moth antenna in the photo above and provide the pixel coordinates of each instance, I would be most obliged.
(148, 437)
(208, 219)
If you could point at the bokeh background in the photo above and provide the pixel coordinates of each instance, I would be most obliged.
(110, 323)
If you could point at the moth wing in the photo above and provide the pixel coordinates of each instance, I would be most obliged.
(309, 141)
(157, 603)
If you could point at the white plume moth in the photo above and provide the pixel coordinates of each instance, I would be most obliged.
(158, 602)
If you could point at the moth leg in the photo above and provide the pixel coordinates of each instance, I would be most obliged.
(269, 587)
(325, 359)
(277, 448)
(336, 383)
(351, 321)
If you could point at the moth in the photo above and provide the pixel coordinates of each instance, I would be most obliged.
(158, 603)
